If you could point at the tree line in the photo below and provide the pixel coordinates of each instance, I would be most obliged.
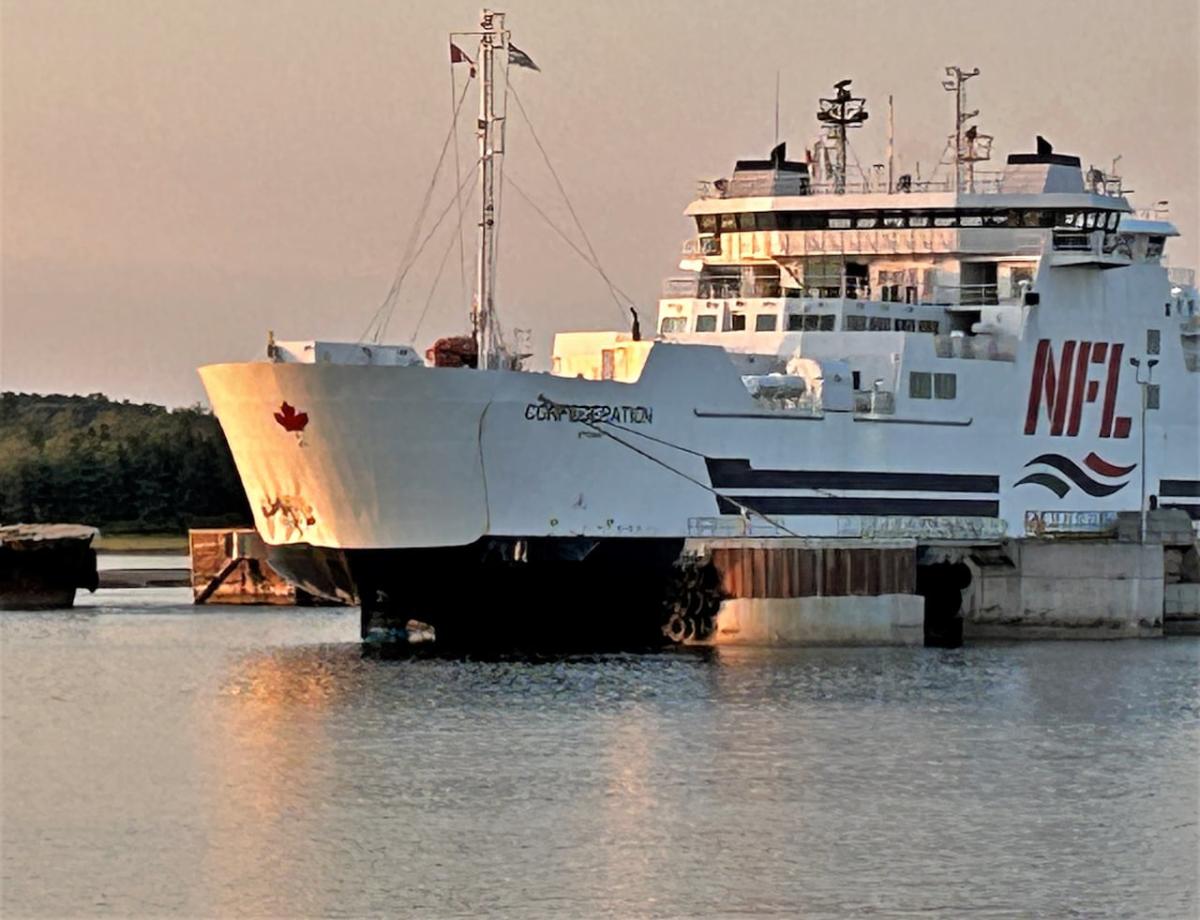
(119, 466)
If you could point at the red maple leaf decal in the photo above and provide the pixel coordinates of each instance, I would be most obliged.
(290, 419)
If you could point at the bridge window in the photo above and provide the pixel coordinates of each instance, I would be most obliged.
(765, 322)
(906, 325)
(1153, 341)
(920, 385)
(673, 324)
(706, 323)
(927, 325)
(945, 386)
(880, 324)
(855, 323)
(827, 323)
(865, 220)
(737, 322)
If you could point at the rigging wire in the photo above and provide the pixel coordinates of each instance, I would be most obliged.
(566, 239)
(745, 509)
(383, 315)
(436, 280)
(409, 256)
(595, 260)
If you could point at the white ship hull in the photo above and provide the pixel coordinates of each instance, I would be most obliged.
(405, 457)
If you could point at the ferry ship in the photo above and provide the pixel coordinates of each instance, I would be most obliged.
(844, 355)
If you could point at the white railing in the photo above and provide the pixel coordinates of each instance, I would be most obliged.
(986, 182)
(967, 295)
(681, 287)
(1182, 277)
(978, 347)
(1072, 241)
(843, 287)
(696, 248)
(875, 402)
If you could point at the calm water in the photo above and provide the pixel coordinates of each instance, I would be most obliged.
(161, 761)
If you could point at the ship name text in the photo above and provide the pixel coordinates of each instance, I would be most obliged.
(558, 412)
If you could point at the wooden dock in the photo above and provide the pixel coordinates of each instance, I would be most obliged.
(230, 566)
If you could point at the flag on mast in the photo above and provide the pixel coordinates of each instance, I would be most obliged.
(520, 58)
(458, 56)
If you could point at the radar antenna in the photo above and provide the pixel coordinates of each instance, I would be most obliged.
(838, 114)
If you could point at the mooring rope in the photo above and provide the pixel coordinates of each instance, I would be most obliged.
(745, 509)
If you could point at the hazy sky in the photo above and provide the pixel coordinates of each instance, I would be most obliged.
(180, 176)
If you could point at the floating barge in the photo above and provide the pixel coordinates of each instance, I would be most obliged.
(42, 565)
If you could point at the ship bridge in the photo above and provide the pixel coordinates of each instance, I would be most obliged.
(886, 285)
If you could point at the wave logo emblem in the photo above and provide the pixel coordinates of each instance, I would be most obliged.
(1093, 485)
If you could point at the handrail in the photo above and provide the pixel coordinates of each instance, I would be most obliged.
(1073, 241)
(972, 295)
(986, 182)
(841, 287)
(1183, 277)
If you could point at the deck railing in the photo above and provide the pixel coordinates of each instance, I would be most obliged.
(1182, 277)
(846, 287)
(1068, 241)
(986, 182)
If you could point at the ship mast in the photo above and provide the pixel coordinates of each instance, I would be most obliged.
(483, 319)
(844, 110)
(958, 86)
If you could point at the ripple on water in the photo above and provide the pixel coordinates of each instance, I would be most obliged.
(159, 760)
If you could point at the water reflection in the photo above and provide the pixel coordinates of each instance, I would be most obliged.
(270, 775)
(234, 763)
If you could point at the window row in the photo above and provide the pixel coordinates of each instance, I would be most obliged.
(856, 323)
(1037, 218)
(924, 385)
(801, 322)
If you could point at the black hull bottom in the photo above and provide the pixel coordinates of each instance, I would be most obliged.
(502, 592)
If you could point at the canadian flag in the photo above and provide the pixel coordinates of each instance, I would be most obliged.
(458, 56)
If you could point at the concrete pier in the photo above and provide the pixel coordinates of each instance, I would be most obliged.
(1061, 590)
(1181, 593)
(1122, 584)
(1115, 583)
(780, 591)
(885, 619)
